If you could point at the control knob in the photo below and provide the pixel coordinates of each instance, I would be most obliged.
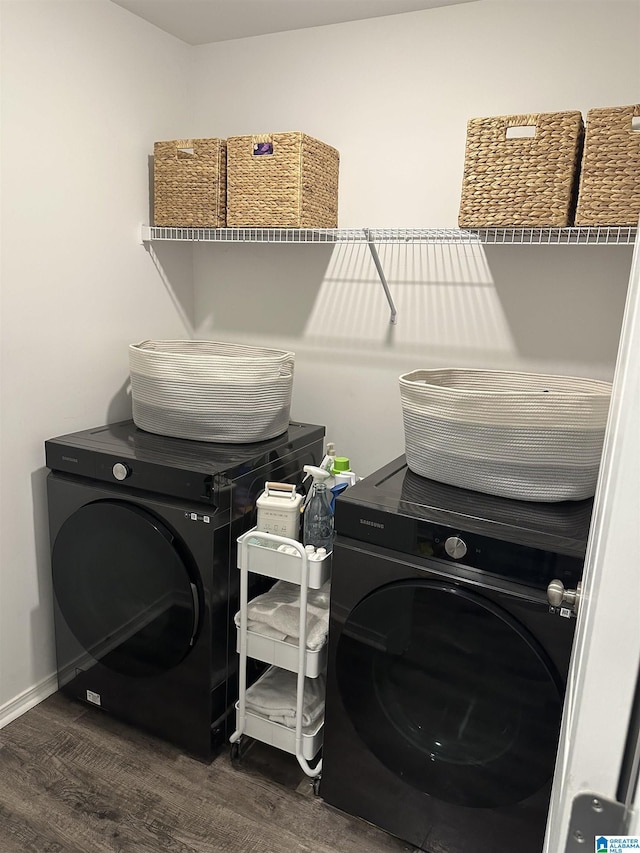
(120, 471)
(455, 547)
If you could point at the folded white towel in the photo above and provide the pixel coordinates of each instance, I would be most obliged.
(274, 696)
(276, 613)
(265, 630)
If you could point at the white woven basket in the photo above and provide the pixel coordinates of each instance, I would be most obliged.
(210, 391)
(520, 435)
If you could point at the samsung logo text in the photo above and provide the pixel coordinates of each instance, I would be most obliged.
(372, 523)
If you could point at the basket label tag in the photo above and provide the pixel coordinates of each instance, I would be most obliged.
(260, 148)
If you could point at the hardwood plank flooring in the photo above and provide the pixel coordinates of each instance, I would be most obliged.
(75, 780)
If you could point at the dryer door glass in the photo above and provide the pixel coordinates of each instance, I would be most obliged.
(124, 588)
(450, 693)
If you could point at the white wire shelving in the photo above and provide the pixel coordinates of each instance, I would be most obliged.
(577, 236)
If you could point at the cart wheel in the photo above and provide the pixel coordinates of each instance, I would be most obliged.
(316, 786)
(235, 753)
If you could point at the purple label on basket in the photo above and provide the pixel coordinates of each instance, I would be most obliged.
(262, 148)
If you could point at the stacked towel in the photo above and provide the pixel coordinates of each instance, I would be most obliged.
(276, 614)
(274, 696)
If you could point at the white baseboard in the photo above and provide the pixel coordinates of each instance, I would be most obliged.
(28, 699)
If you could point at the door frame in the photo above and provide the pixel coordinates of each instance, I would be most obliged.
(606, 654)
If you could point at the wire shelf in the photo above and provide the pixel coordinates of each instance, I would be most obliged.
(254, 235)
(373, 237)
(591, 236)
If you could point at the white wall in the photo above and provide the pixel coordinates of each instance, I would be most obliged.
(393, 95)
(86, 89)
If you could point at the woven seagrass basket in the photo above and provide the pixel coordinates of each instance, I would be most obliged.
(610, 178)
(211, 391)
(527, 436)
(521, 181)
(282, 180)
(190, 183)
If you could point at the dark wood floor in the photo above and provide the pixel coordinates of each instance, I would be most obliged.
(74, 780)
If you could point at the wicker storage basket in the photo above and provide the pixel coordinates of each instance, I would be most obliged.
(282, 180)
(210, 391)
(519, 435)
(530, 181)
(610, 177)
(190, 183)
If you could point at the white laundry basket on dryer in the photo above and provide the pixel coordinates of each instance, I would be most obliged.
(520, 435)
(211, 391)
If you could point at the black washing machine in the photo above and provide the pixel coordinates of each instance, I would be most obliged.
(447, 666)
(143, 535)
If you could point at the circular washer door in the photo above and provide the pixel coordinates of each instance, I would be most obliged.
(124, 589)
(450, 693)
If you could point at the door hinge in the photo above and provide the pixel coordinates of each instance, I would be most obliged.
(592, 816)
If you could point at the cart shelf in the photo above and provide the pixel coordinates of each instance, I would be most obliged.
(256, 555)
(275, 734)
(281, 736)
(284, 654)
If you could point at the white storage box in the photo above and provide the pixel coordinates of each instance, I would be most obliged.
(520, 435)
(210, 391)
(279, 510)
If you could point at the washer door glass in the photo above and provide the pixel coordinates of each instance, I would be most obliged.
(124, 589)
(450, 693)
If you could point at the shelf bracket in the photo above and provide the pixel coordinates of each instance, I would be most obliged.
(383, 280)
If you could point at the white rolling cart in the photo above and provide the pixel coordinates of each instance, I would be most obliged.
(256, 553)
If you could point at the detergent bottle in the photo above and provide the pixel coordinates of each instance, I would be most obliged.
(342, 472)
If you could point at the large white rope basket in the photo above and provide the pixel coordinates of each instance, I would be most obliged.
(210, 391)
(529, 436)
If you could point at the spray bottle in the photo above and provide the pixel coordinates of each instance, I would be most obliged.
(318, 516)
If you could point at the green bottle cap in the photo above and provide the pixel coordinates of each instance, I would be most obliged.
(341, 463)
